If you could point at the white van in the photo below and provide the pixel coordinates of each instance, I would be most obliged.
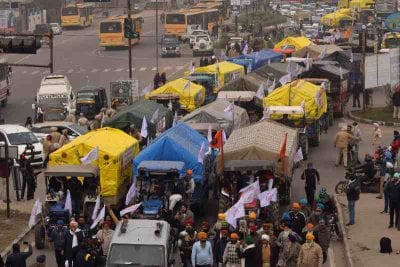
(16, 135)
(55, 98)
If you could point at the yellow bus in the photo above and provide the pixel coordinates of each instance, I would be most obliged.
(112, 31)
(79, 15)
(224, 10)
(176, 22)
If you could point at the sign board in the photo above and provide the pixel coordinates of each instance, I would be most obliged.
(382, 69)
(127, 157)
(124, 90)
(12, 152)
(235, 2)
(236, 10)
(245, 2)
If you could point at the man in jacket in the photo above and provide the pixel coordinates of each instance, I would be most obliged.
(219, 248)
(393, 190)
(73, 238)
(310, 253)
(251, 253)
(230, 257)
(353, 194)
(396, 104)
(341, 143)
(311, 176)
(225, 200)
(323, 237)
(357, 89)
(58, 236)
(298, 219)
(18, 258)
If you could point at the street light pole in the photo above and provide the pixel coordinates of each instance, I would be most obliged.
(157, 35)
(130, 43)
(363, 40)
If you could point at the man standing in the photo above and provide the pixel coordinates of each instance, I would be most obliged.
(298, 219)
(353, 194)
(202, 255)
(376, 136)
(73, 238)
(18, 258)
(396, 104)
(57, 236)
(312, 177)
(231, 258)
(188, 186)
(341, 143)
(393, 189)
(219, 248)
(323, 237)
(310, 253)
(104, 237)
(357, 133)
(357, 89)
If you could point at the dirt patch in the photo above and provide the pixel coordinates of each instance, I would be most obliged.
(13, 227)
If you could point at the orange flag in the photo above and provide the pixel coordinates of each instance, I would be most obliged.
(218, 140)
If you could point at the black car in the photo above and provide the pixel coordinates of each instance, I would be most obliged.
(170, 46)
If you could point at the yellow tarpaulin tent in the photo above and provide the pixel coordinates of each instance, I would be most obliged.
(191, 95)
(116, 153)
(362, 4)
(226, 71)
(294, 93)
(334, 19)
(293, 42)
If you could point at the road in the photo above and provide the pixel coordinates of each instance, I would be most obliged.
(78, 56)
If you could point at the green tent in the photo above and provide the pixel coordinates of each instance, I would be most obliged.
(134, 114)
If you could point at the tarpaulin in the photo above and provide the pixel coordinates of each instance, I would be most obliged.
(256, 59)
(180, 143)
(116, 152)
(296, 42)
(226, 71)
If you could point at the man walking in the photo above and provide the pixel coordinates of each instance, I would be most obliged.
(310, 253)
(376, 136)
(341, 143)
(393, 190)
(231, 258)
(357, 89)
(353, 194)
(57, 236)
(311, 177)
(202, 255)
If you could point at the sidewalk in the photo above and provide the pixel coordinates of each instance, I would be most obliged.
(365, 235)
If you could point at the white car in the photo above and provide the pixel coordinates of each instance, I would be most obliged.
(195, 33)
(41, 130)
(21, 137)
(203, 46)
(56, 28)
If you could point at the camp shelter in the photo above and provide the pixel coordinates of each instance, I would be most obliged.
(271, 71)
(294, 93)
(179, 143)
(225, 71)
(295, 43)
(262, 141)
(256, 59)
(116, 150)
(241, 84)
(214, 113)
(335, 19)
(191, 95)
(314, 51)
(158, 117)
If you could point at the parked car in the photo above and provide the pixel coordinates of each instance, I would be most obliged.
(203, 46)
(24, 140)
(170, 46)
(56, 28)
(41, 130)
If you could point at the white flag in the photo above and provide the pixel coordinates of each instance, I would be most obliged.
(99, 217)
(103, 118)
(245, 49)
(36, 210)
(147, 89)
(298, 156)
(267, 197)
(91, 156)
(340, 72)
(223, 55)
(154, 117)
(351, 57)
(272, 87)
(229, 110)
(267, 113)
(209, 134)
(269, 61)
(191, 69)
(235, 212)
(131, 194)
(248, 70)
(68, 202)
(130, 209)
(187, 86)
(96, 208)
(324, 53)
(175, 121)
(303, 105)
(223, 137)
(260, 92)
(202, 153)
(285, 79)
(143, 131)
(250, 192)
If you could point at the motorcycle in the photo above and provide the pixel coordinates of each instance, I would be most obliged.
(367, 185)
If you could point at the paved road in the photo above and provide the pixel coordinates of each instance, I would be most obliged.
(79, 57)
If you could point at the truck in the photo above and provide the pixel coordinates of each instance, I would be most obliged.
(141, 243)
(90, 100)
(55, 99)
(5, 83)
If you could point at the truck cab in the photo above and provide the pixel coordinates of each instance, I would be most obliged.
(141, 243)
(90, 100)
(54, 99)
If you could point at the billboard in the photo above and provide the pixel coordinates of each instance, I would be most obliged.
(8, 20)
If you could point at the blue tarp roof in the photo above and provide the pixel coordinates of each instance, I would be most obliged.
(180, 143)
(157, 165)
(256, 59)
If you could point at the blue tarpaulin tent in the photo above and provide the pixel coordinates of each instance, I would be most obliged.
(180, 143)
(256, 59)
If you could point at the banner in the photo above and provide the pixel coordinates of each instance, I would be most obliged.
(130, 209)
(267, 197)
(235, 212)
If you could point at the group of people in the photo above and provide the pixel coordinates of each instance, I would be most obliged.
(159, 79)
(204, 61)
